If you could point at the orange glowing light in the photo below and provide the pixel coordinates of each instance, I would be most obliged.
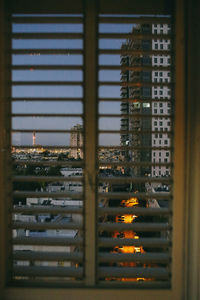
(128, 234)
(125, 218)
(130, 202)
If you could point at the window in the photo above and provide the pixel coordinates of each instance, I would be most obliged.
(56, 189)
(94, 270)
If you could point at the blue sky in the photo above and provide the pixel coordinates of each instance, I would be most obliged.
(61, 91)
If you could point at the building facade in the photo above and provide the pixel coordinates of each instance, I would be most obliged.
(145, 84)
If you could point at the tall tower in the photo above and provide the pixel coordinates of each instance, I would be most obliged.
(34, 139)
(76, 140)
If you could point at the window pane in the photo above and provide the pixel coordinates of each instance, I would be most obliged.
(47, 149)
(134, 157)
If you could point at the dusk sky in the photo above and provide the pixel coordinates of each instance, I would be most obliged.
(61, 91)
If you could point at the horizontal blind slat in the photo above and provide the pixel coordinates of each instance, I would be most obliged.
(156, 273)
(25, 115)
(136, 20)
(48, 241)
(126, 195)
(49, 35)
(46, 225)
(47, 178)
(135, 68)
(46, 99)
(136, 132)
(46, 20)
(134, 179)
(42, 130)
(50, 163)
(48, 209)
(130, 83)
(134, 163)
(47, 256)
(135, 52)
(138, 284)
(145, 242)
(47, 51)
(46, 7)
(51, 83)
(47, 67)
(134, 36)
(139, 211)
(135, 115)
(134, 257)
(149, 7)
(72, 195)
(144, 227)
(41, 271)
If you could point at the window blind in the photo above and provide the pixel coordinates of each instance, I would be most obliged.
(47, 147)
(92, 144)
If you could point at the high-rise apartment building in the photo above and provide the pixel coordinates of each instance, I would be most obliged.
(145, 113)
(162, 96)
